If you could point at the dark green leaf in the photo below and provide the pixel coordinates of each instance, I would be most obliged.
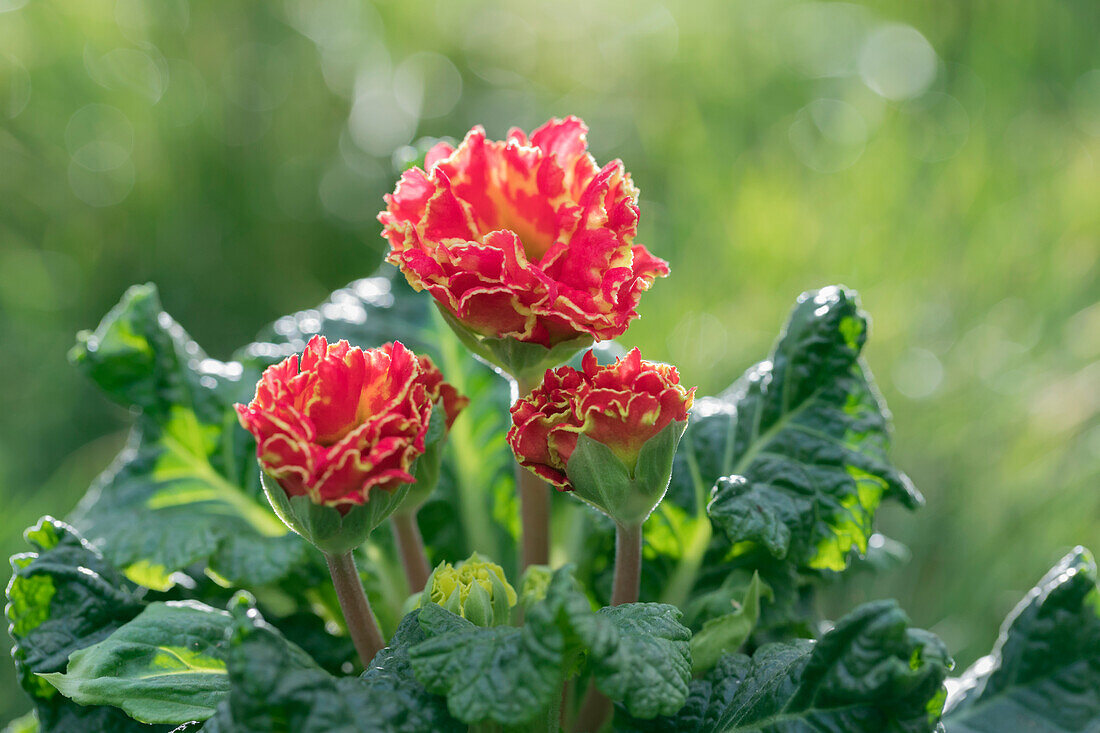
(505, 674)
(390, 682)
(637, 653)
(871, 673)
(805, 437)
(187, 488)
(275, 686)
(499, 673)
(1043, 675)
(167, 665)
(63, 597)
(650, 668)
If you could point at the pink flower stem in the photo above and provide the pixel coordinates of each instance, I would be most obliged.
(410, 546)
(628, 564)
(362, 626)
(628, 575)
(594, 711)
(534, 506)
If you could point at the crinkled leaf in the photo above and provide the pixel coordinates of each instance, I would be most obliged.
(1043, 675)
(805, 436)
(63, 596)
(275, 686)
(391, 682)
(496, 673)
(871, 673)
(167, 665)
(650, 668)
(186, 489)
(505, 674)
(636, 653)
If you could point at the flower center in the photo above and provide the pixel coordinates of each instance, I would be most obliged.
(535, 242)
(536, 239)
(340, 421)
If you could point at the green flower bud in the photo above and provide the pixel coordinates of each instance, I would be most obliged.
(534, 584)
(474, 589)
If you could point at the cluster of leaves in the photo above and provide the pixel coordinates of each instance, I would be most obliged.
(118, 617)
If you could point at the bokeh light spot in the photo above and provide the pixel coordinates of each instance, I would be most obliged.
(378, 124)
(99, 137)
(918, 373)
(101, 188)
(427, 85)
(897, 62)
(828, 135)
(130, 69)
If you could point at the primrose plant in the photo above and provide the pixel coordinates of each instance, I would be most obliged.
(280, 545)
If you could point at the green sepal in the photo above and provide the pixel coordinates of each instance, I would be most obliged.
(601, 479)
(454, 602)
(478, 608)
(521, 360)
(324, 526)
(502, 611)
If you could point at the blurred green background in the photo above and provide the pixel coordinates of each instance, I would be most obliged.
(943, 158)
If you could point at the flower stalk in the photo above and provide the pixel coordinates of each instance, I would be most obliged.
(628, 564)
(358, 616)
(534, 506)
(410, 547)
(624, 589)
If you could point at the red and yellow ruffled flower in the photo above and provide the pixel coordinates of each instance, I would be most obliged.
(341, 422)
(622, 406)
(525, 239)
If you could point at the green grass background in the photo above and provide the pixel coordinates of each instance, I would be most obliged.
(943, 158)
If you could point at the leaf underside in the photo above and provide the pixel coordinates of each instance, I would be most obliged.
(1043, 675)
